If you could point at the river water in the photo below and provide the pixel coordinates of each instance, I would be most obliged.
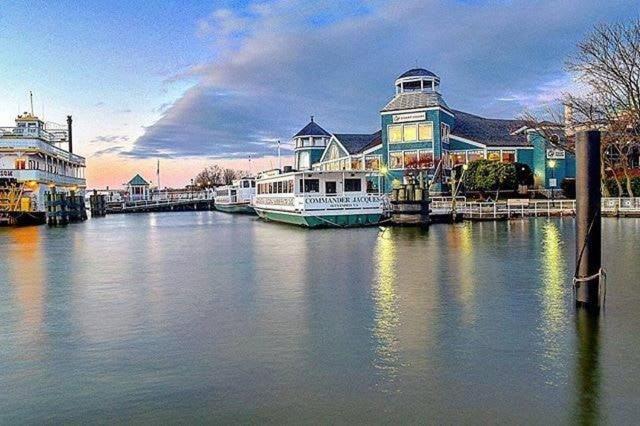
(208, 317)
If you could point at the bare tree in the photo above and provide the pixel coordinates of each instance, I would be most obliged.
(209, 176)
(607, 63)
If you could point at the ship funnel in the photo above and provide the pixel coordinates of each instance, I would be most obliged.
(70, 131)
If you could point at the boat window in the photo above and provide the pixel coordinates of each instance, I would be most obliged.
(352, 185)
(253, 183)
(330, 188)
(310, 185)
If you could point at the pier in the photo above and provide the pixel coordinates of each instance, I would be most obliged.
(515, 208)
(187, 201)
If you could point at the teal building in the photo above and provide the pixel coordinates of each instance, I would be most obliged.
(420, 133)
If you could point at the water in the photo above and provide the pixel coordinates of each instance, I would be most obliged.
(208, 317)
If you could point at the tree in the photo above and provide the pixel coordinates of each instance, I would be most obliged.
(607, 63)
(486, 175)
(209, 176)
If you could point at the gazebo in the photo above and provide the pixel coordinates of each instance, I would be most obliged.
(138, 188)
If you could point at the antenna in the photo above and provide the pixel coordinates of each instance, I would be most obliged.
(250, 166)
(279, 160)
(31, 100)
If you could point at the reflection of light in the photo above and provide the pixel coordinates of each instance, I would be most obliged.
(386, 315)
(467, 282)
(553, 292)
(25, 262)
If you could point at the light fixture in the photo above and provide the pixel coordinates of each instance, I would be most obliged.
(552, 163)
(465, 167)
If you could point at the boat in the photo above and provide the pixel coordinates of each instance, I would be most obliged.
(317, 199)
(33, 164)
(236, 198)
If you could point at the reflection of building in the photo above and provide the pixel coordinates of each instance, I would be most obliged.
(420, 132)
(138, 188)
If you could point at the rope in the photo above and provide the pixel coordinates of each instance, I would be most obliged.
(601, 274)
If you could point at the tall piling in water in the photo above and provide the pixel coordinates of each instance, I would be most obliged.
(588, 220)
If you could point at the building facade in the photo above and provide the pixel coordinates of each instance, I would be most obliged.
(421, 133)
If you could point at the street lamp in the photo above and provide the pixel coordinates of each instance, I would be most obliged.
(552, 181)
(383, 172)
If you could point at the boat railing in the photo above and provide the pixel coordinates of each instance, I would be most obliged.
(45, 146)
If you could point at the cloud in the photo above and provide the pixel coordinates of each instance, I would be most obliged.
(276, 63)
(111, 150)
(110, 139)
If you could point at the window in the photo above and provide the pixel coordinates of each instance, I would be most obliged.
(372, 162)
(508, 156)
(445, 129)
(459, 158)
(425, 131)
(310, 185)
(304, 160)
(493, 155)
(410, 132)
(330, 188)
(21, 164)
(352, 185)
(395, 133)
(475, 155)
(411, 159)
(356, 164)
(426, 160)
(395, 159)
(253, 183)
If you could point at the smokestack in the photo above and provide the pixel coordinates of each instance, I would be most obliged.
(70, 131)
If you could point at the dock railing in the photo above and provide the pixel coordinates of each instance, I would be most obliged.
(481, 210)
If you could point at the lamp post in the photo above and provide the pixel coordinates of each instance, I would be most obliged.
(552, 181)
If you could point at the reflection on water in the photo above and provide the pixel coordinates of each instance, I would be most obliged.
(587, 370)
(386, 309)
(202, 317)
(554, 291)
(27, 276)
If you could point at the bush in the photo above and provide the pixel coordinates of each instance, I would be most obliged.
(485, 175)
(613, 188)
(568, 188)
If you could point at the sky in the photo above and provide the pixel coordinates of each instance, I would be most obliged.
(193, 83)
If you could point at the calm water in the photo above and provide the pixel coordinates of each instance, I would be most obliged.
(202, 317)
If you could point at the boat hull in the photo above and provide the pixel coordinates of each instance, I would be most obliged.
(235, 208)
(324, 221)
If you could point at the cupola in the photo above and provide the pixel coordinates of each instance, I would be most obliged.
(417, 80)
(308, 144)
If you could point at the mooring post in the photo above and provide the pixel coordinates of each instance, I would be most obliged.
(588, 220)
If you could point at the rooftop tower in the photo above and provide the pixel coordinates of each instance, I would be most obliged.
(309, 143)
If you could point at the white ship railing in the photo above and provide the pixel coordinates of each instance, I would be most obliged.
(38, 145)
(41, 176)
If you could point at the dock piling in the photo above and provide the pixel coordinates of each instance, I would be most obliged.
(588, 221)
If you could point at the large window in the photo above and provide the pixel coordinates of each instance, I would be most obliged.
(411, 159)
(304, 160)
(475, 155)
(410, 133)
(395, 133)
(508, 156)
(493, 155)
(352, 185)
(372, 162)
(425, 160)
(425, 131)
(395, 159)
(310, 185)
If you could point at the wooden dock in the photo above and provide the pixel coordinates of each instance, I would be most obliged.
(147, 206)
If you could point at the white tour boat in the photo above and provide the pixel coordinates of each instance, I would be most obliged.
(317, 198)
(236, 198)
(33, 161)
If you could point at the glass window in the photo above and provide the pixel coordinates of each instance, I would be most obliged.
(411, 159)
(395, 159)
(21, 164)
(395, 133)
(372, 162)
(425, 131)
(475, 155)
(426, 160)
(311, 185)
(356, 164)
(330, 188)
(493, 155)
(445, 129)
(352, 185)
(458, 158)
(410, 132)
(508, 156)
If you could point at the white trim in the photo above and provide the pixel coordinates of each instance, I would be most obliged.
(402, 111)
(465, 140)
(326, 149)
(370, 150)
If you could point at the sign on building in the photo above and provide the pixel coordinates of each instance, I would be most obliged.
(555, 154)
(413, 116)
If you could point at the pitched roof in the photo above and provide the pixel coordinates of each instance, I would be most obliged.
(417, 72)
(411, 100)
(137, 180)
(312, 129)
(356, 143)
(488, 131)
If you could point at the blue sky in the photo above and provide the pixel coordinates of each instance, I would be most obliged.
(194, 81)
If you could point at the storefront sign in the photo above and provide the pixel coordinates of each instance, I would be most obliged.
(414, 116)
(555, 154)
(6, 173)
